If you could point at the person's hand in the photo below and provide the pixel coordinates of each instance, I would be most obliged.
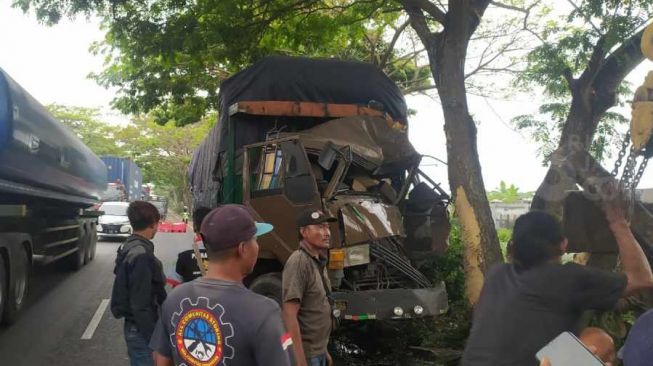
(545, 362)
(329, 359)
(615, 202)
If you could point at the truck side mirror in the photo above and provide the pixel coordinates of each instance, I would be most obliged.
(327, 156)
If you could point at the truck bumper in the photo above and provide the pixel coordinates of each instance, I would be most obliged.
(113, 236)
(384, 304)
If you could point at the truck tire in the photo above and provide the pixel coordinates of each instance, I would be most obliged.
(76, 260)
(268, 285)
(3, 286)
(93, 243)
(86, 243)
(17, 286)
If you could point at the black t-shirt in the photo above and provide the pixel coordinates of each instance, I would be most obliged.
(187, 267)
(519, 312)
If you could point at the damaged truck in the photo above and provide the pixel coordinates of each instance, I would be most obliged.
(297, 133)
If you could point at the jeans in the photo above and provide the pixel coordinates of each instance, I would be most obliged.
(138, 347)
(317, 360)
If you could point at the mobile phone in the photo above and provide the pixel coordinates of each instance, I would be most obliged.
(567, 350)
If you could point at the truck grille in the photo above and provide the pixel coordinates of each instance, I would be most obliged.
(388, 268)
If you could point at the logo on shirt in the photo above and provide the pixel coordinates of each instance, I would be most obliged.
(286, 341)
(201, 337)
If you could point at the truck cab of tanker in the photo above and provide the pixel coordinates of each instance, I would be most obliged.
(280, 155)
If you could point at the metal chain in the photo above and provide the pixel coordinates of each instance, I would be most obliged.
(640, 171)
(622, 153)
(629, 169)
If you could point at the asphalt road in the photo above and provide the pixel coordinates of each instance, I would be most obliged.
(62, 304)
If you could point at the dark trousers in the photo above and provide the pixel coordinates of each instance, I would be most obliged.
(138, 347)
(317, 360)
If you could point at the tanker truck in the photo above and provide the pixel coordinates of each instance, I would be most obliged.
(49, 180)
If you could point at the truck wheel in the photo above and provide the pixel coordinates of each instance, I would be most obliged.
(3, 286)
(17, 289)
(268, 285)
(76, 260)
(86, 243)
(92, 244)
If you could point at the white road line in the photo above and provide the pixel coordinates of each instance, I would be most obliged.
(95, 321)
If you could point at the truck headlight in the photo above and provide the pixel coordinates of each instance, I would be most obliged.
(99, 228)
(357, 255)
(398, 311)
(418, 310)
(126, 229)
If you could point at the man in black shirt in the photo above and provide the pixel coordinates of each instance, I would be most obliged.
(139, 286)
(187, 266)
(527, 303)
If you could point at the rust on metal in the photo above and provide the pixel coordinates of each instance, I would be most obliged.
(306, 109)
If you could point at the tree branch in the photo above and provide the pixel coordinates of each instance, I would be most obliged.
(418, 22)
(509, 7)
(587, 18)
(386, 55)
(416, 89)
(430, 8)
(595, 62)
(615, 68)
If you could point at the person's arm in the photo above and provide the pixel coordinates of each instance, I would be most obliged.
(294, 286)
(634, 262)
(290, 312)
(140, 295)
(161, 346)
(161, 360)
(272, 346)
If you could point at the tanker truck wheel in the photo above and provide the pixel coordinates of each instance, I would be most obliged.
(92, 244)
(17, 287)
(76, 260)
(86, 243)
(3, 286)
(268, 285)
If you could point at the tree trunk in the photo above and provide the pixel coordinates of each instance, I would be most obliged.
(576, 136)
(447, 59)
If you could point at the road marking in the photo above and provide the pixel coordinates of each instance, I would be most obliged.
(95, 321)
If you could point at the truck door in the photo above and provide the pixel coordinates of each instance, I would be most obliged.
(278, 184)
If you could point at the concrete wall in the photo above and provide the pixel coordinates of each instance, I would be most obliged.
(505, 214)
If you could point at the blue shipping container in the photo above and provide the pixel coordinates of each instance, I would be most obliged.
(129, 174)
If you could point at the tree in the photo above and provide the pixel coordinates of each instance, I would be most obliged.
(581, 64)
(169, 57)
(85, 122)
(508, 194)
(163, 152)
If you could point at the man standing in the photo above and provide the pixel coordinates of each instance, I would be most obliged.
(527, 303)
(214, 320)
(139, 286)
(306, 290)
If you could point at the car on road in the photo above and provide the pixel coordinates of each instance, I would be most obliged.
(114, 222)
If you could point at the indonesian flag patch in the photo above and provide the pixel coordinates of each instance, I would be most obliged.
(286, 341)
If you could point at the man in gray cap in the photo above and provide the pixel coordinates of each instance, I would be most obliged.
(306, 290)
(215, 320)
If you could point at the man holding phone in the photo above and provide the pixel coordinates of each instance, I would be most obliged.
(527, 303)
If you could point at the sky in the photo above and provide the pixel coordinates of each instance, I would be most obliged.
(52, 63)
